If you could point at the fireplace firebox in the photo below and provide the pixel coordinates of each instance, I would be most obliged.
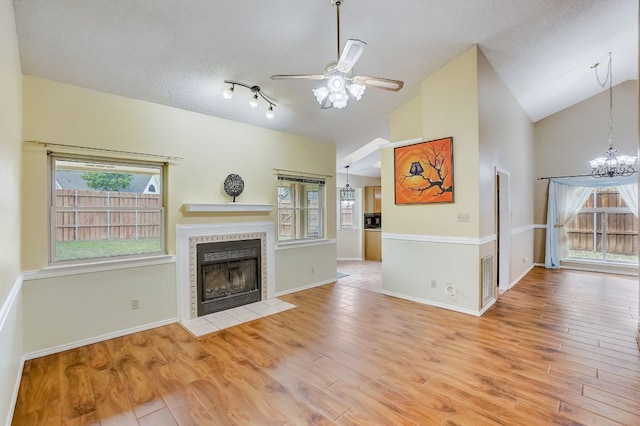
(228, 275)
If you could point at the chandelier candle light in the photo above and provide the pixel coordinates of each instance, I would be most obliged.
(228, 94)
(612, 164)
(347, 193)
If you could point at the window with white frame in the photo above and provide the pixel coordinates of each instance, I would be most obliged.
(347, 214)
(300, 208)
(604, 230)
(104, 209)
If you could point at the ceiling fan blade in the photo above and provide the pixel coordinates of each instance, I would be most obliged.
(290, 76)
(350, 55)
(379, 82)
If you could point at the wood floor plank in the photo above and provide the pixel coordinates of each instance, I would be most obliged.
(558, 348)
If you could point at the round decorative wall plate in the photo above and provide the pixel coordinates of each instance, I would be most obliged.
(233, 185)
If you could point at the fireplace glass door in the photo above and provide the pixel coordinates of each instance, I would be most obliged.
(228, 275)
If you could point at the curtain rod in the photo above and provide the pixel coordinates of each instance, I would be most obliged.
(116, 151)
(569, 176)
(565, 176)
(301, 173)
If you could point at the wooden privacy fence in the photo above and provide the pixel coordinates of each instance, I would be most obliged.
(585, 232)
(101, 215)
(588, 229)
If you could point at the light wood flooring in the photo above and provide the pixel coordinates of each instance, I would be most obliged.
(559, 348)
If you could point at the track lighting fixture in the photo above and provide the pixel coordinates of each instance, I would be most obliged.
(253, 101)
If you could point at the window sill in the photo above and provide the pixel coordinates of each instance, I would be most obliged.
(304, 243)
(595, 266)
(98, 266)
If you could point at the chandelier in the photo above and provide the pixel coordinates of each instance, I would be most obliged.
(347, 193)
(611, 164)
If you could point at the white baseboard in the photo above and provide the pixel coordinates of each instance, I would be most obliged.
(522, 275)
(351, 259)
(6, 308)
(91, 340)
(438, 304)
(307, 287)
(14, 396)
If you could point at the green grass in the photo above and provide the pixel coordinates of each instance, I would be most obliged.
(74, 250)
(595, 255)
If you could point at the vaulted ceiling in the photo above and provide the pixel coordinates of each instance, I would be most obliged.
(179, 53)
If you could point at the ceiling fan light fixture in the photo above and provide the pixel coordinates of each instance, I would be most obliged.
(356, 90)
(269, 113)
(340, 102)
(336, 83)
(321, 94)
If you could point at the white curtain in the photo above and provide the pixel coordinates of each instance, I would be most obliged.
(629, 194)
(566, 197)
(567, 202)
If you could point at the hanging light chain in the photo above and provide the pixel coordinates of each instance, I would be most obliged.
(608, 78)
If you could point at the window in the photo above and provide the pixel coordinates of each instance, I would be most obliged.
(300, 208)
(100, 209)
(347, 218)
(604, 230)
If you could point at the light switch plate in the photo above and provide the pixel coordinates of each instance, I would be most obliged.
(463, 217)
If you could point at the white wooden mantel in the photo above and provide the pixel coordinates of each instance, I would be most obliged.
(226, 207)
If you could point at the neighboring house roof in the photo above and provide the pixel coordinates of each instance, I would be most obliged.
(72, 179)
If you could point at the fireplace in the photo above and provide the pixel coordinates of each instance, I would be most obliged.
(190, 237)
(228, 275)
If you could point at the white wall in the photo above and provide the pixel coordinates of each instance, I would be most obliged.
(506, 144)
(11, 344)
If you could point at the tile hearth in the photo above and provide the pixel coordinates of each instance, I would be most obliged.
(228, 318)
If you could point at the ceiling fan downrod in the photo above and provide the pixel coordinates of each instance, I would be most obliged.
(337, 4)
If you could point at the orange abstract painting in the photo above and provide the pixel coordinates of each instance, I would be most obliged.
(424, 172)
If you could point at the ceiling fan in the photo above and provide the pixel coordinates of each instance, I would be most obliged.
(340, 75)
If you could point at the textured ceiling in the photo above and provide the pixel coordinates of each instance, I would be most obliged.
(179, 53)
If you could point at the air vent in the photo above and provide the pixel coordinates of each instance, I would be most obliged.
(486, 269)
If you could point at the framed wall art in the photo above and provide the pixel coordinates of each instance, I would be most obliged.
(423, 172)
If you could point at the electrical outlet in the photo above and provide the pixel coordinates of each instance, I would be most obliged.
(313, 270)
(135, 303)
(450, 290)
(525, 260)
(433, 283)
(463, 217)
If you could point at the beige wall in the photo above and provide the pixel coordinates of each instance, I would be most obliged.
(425, 246)
(414, 258)
(208, 148)
(567, 140)
(406, 122)
(449, 108)
(11, 344)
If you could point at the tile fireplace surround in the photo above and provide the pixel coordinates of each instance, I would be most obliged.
(188, 236)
